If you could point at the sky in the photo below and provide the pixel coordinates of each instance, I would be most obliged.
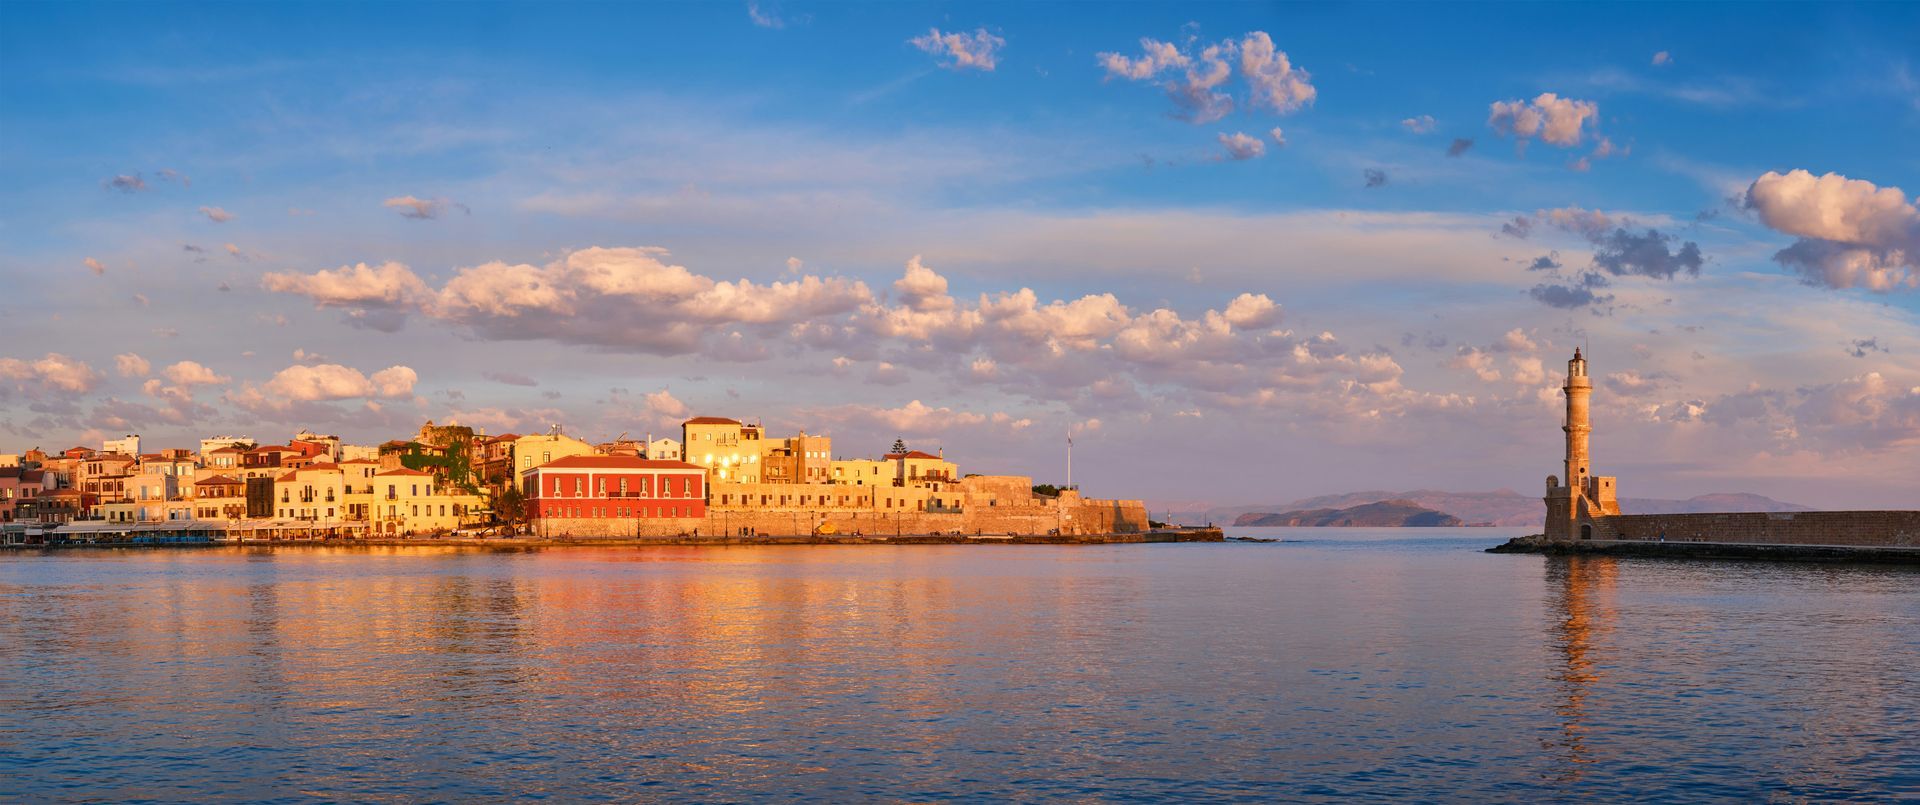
(1244, 253)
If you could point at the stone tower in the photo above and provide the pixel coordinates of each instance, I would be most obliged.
(1578, 509)
(1579, 390)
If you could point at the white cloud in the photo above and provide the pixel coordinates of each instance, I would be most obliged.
(1662, 59)
(388, 285)
(1549, 117)
(1423, 124)
(1271, 77)
(1155, 57)
(98, 268)
(921, 289)
(53, 370)
(131, 365)
(191, 373)
(331, 381)
(216, 215)
(961, 51)
(1240, 146)
(762, 17)
(1279, 137)
(1853, 234)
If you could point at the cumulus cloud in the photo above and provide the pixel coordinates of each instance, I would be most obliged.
(52, 371)
(1648, 254)
(1548, 117)
(1423, 124)
(1241, 146)
(216, 215)
(921, 289)
(1194, 79)
(98, 268)
(615, 297)
(192, 373)
(422, 209)
(1852, 233)
(961, 51)
(1279, 137)
(1662, 59)
(131, 365)
(368, 293)
(1459, 146)
(326, 382)
(1271, 77)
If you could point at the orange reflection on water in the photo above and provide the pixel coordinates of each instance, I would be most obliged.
(1580, 594)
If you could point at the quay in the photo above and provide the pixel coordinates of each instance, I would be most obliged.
(149, 537)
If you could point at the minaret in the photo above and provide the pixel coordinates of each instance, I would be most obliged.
(1578, 389)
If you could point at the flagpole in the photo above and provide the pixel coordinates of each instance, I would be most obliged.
(1069, 455)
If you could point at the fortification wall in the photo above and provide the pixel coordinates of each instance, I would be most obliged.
(1861, 529)
(1083, 517)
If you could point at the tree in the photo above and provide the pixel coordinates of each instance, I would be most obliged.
(899, 446)
(510, 506)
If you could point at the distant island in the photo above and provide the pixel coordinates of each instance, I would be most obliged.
(1500, 507)
(1381, 514)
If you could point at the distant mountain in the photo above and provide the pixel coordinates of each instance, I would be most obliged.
(1501, 507)
(1382, 514)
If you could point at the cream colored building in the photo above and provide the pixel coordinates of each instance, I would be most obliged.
(798, 459)
(663, 450)
(315, 493)
(410, 502)
(914, 468)
(533, 451)
(726, 449)
(861, 472)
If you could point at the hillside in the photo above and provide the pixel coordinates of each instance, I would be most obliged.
(1382, 514)
(1500, 507)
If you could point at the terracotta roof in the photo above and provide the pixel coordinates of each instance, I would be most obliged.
(288, 477)
(359, 461)
(215, 479)
(912, 454)
(401, 471)
(322, 466)
(711, 420)
(228, 449)
(505, 437)
(273, 448)
(615, 463)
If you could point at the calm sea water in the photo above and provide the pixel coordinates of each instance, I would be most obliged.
(1342, 662)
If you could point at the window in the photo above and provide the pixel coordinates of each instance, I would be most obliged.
(546, 457)
(623, 487)
(600, 487)
(577, 486)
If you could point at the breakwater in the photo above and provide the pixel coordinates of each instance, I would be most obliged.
(1865, 551)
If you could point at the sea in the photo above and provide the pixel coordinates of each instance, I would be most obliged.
(1364, 664)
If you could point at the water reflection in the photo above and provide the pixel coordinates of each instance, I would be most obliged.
(1215, 672)
(1579, 589)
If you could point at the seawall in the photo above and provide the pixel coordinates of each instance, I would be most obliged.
(1138, 537)
(1888, 537)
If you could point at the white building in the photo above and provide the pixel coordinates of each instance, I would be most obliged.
(129, 445)
(663, 450)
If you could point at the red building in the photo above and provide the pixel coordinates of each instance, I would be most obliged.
(614, 487)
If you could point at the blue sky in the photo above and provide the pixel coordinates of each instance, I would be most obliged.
(1391, 336)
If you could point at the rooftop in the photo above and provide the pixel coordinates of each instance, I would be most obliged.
(616, 463)
(711, 420)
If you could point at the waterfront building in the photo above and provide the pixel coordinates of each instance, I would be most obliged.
(18, 484)
(798, 459)
(860, 472)
(593, 494)
(56, 506)
(219, 497)
(727, 449)
(915, 468)
(315, 493)
(406, 502)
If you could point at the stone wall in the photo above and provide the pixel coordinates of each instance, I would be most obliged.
(1861, 528)
(1075, 516)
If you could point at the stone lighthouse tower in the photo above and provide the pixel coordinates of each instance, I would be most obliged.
(1578, 509)
(1579, 390)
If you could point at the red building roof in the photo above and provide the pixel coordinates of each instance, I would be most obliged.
(912, 454)
(401, 471)
(711, 420)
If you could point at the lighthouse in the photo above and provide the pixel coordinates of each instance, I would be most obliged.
(1577, 510)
